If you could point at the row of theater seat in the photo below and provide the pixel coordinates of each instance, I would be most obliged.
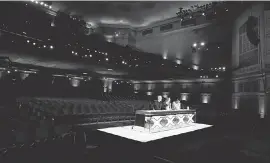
(84, 110)
(50, 149)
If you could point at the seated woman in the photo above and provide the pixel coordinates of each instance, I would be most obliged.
(176, 105)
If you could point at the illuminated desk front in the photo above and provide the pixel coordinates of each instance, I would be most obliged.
(162, 120)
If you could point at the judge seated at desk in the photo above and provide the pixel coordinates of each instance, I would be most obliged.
(176, 105)
(157, 104)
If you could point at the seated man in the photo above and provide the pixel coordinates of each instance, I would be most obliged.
(157, 104)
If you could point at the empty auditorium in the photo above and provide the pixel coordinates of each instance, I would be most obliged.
(134, 81)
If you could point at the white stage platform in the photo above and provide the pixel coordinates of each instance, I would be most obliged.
(139, 134)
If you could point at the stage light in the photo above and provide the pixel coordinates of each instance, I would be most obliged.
(36, 2)
(107, 59)
(216, 76)
(85, 55)
(72, 52)
(8, 72)
(106, 53)
(116, 35)
(45, 5)
(203, 14)
(51, 47)
(28, 41)
(218, 47)
(202, 43)
(195, 45)
(227, 10)
(224, 68)
(34, 43)
(90, 55)
(76, 53)
(44, 46)
(123, 62)
(164, 57)
(50, 7)
(41, 3)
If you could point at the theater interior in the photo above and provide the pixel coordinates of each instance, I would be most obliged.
(80, 81)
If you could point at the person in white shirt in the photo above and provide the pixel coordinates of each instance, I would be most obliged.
(176, 105)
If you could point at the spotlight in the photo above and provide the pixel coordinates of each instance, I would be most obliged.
(216, 76)
(85, 55)
(164, 57)
(107, 59)
(90, 55)
(36, 2)
(195, 44)
(50, 7)
(8, 72)
(123, 62)
(44, 46)
(34, 43)
(203, 14)
(51, 47)
(202, 43)
(28, 41)
(41, 3)
(45, 5)
(72, 52)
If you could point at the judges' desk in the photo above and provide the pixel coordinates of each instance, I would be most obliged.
(162, 120)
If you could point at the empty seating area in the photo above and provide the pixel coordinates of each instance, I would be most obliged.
(79, 111)
(55, 149)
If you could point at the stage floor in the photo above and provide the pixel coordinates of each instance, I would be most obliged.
(139, 134)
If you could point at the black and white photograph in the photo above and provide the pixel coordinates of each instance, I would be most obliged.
(134, 81)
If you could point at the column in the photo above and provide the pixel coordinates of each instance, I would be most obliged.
(235, 102)
(236, 87)
(107, 84)
(262, 106)
(261, 85)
